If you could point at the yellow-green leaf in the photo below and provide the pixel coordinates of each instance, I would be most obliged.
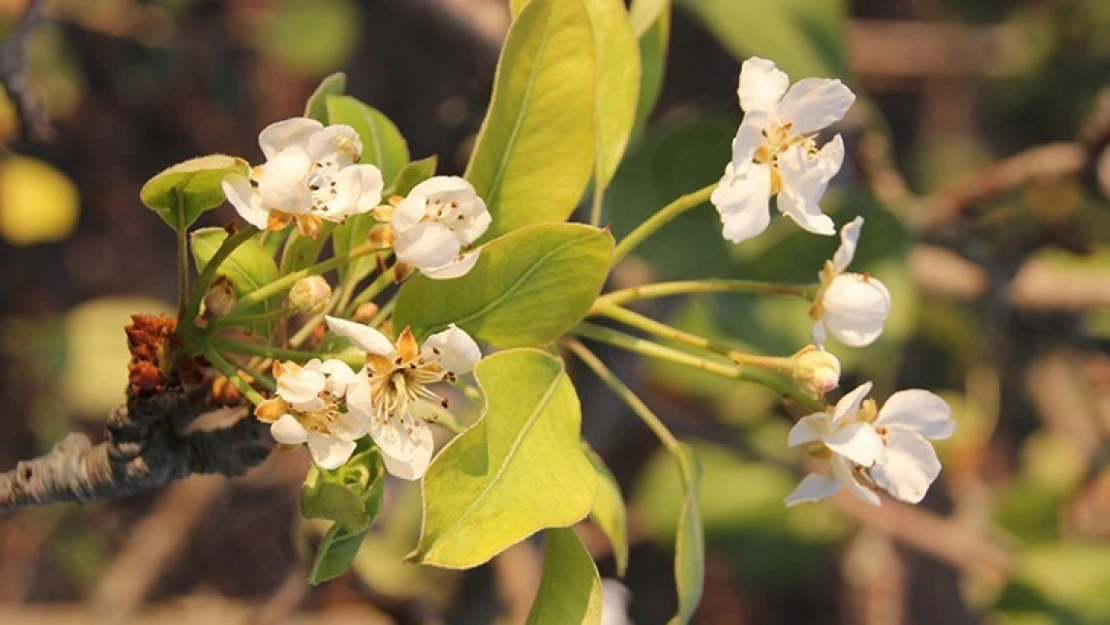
(517, 470)
(413, 174)
(382, 143)
(249, 267)
(645, 14)
(653, 64)
(570, 589)
(317, 105)
(181, 193)
(335, 554)
(535, 151)
(617, 82)
(689, 549)
(527, 288)
(609, 513)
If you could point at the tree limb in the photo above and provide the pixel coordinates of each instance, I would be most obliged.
(13, 76)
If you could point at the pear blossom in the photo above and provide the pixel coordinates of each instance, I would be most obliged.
(851, 307)
(817, 370)
(775, 152)
(614, 602)
(311, 174)
(392, 391)
(308, 408)
(432, 226)
(868, 448)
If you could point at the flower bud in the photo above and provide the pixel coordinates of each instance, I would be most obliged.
(401, 271)
(310, 295)
(365, 313)
(219, 300)
(381, 236)
(817, 370)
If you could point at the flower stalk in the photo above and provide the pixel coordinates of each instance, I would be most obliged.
(660, 219)
(691, 287)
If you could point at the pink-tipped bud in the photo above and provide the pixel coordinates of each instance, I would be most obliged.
(817, 370)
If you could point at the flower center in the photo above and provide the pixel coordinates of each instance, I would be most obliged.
(395, 386)
(320, 420)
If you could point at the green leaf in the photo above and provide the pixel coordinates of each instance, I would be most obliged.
(411, 175)
(249, 267)
(617, 83)
(609, 512)
(645, 14)
(516, 6)
(317, 105)
(335, 554)
(535, 151)
(804, 38)
(382, 143)
(653, 64)
(350, 495)
(348, 235)
(689, 550)
(301, 251)
(519, 469)
(570, 589)
(181, 193)
(527, 288)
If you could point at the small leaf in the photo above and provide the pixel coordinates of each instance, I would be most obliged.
(570, 589)
(181, 193)
(249, 267)
(411, 175)
(609, 512)
(382, 143)
(350, 495)
(645, 14)
(527, 288)
(653, 64)
(535, 151)
(617, 84)
(689, 550)
(517, 470)
(335, 554)
(317, 105)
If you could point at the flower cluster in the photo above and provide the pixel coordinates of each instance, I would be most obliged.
(328, 406)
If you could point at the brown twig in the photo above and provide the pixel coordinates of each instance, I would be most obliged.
(13, 76)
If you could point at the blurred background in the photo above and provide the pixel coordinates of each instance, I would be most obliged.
(977, 154)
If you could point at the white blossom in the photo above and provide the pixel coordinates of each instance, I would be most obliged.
(871, 449)
(817, 370)
(852, 307)
(308, 408)
(614, 602)
(311, 174)
(775, 153)
(392, 391)
(435, 223)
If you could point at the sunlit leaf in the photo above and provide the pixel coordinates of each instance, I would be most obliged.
(645, 14)
(181, 193)
(570, 589)
(519, 469)
(609, 513)
(249, 267)
(689, 550)
(317, 105)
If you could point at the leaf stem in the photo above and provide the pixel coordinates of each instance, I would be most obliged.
(269, 351)
(248, 320)
(683, 287)
(660, 219)
(211, 352)
(285, 282)
(192, 310)
(371, 291)
(182, 258)
(597, 204)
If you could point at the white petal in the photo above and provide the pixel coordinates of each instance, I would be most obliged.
(472, 228)
(814, 103)
(364, 337)
(743, 200)
(847, 478)
(340, 376)
(460, 266)
(802, 188)
(761, 85)
(349, 426)
(372, 187)
(290, 132)
(427, 245)
(411, 211)
(247, 203)
(848, 405)
(329, 452)
(614, 603)
(406, 454)
(809, 429)
(813, 487)
(749, 136)
(918, 410)
(457, 352)
(288, 431)
(359, 399)
(347, 193)
(281, 182)
(857, 442)
(302, 386)
(855, 309)
(849, 236)
(830, 158)
(443, 184)
(338, 144)
(819, 334)
(909, 467)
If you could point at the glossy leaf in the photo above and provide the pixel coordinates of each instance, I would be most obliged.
(535, 151)
(249, 267)
(570, 589)
(527, 288)
(181, 193)
(411, 175)
(609, 512)
(517, 470)
(645, 14)
(654, 44)
(617, 82)
(689, 555)
(335, 554)
(317, 105)
(382, 143)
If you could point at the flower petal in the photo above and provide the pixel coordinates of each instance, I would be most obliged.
(819, 334)
(301, 387)
(855, 309)
(849, 235)
(453, 349)
(830, 158)
(743, 200)
(813, 487)
(372, 187)
(364, 337)
(406, 453)
(809, 429)
(472, 228)
(847, 478)
(761, 85)
(288, 431)
(460, 266)
(802, 188)
(281, 182)
(290, 132)
(427, 245)
(848, 405)
(408, 213)
(921, 411)
(359, 399)
(858, 442)
(815, 103)
(614, 602)
(338, 144)
(329, 452)
(909, 467)
(442, 184)
(749, 136)
(247, 203)
(347, 194)
(340, 376)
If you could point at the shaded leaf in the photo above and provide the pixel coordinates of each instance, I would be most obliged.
(382, 143)
(181, 193)
(317, 105)
(609, 512)
(570, 589)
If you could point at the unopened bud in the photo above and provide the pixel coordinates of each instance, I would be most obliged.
(401, 271)
(817, 370)
(365, 313)
(219, 300)
(381, 236)
(310, 295)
